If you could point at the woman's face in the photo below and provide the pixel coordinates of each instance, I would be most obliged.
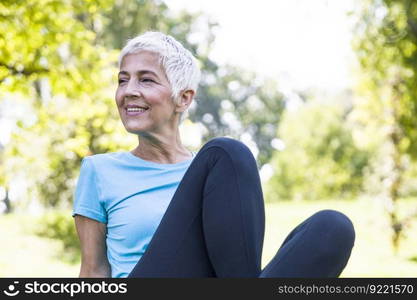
(144, 95)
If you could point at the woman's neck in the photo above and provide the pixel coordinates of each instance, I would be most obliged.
(161, 149)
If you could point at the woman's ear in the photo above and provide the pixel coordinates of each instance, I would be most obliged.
(185, 99)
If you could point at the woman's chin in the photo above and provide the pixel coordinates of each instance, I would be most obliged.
(135, 127)
(135, 130)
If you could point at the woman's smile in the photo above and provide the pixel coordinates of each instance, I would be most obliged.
(135, 111)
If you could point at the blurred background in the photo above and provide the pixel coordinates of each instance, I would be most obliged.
(324, 93)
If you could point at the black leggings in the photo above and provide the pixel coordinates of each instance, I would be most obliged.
(214, 226)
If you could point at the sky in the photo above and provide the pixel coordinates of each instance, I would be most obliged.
(302, 43)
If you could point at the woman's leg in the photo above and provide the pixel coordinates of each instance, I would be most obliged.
(214, 225)
(318, 247)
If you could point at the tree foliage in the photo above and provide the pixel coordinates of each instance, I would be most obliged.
(320, 160)
(386, 46)
(50, 56)
(50, 39)
(237, 104)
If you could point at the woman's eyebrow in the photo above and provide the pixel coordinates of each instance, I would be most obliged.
(123, 73)
(141, 72)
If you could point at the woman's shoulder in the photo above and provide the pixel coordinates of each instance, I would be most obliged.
(107, 155)
(106, 158)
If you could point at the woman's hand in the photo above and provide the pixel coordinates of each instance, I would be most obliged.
(92, 235)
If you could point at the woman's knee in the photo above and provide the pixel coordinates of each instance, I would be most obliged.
(235, 152)
(224, 142)
(229, 145)
(334, 225)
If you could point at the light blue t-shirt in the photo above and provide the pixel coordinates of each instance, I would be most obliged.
(130, 195)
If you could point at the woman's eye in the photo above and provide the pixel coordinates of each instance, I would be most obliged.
(147, 80)
(121, 80)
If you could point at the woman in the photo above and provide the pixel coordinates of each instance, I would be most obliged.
(161, 211)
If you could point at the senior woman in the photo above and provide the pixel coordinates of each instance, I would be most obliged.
(160, 210)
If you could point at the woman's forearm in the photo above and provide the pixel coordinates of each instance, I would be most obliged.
(102, 271)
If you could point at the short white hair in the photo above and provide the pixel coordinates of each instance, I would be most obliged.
(179, 64)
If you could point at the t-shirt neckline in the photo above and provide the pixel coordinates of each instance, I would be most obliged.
(161, 165)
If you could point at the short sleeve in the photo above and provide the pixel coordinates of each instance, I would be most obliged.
(86, 199)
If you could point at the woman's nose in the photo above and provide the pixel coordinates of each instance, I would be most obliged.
(132, 89)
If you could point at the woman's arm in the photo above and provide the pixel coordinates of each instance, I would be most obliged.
(92, 235)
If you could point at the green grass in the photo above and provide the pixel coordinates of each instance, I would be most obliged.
(23, 254)
(372, 255)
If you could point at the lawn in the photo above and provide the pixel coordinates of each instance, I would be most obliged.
(23, 254)
(372, 255)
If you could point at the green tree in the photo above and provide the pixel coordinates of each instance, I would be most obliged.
(50, 56)
(47, 39)
(386, 46)
(320, 160)
(239, 105)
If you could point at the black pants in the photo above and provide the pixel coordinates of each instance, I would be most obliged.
(214, 226)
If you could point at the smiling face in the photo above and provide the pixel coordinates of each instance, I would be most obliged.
(144, 95)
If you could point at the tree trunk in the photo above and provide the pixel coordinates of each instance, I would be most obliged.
(7, 202)
(395, 136)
